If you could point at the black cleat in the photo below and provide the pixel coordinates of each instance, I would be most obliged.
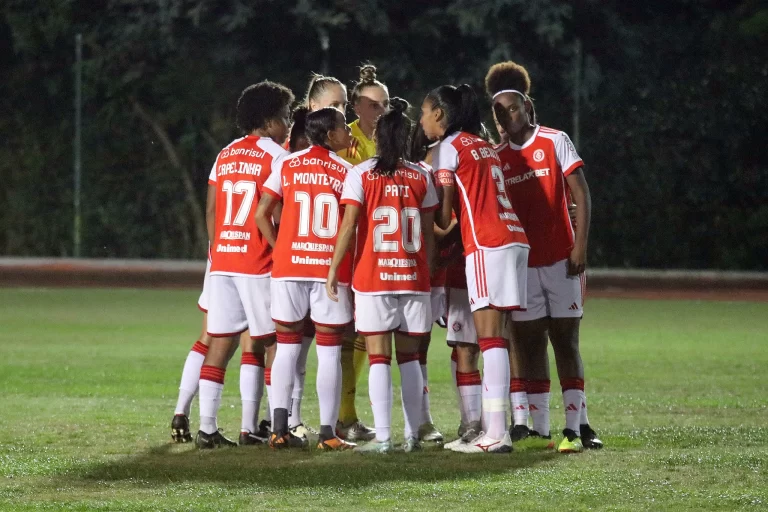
(210, 441)
(519, 432)
(180, 429)
(589, 438)
(248, 438)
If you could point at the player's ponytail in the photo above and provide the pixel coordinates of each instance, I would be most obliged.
(319, 123)
(299, 129)
(460, 108)
(393, 133)
(318, 84)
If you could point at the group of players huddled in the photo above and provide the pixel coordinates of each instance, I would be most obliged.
(350, 234)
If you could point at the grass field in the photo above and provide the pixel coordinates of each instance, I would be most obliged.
(677, 390)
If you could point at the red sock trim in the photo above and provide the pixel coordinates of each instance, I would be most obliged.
(329, 339)
(517, 385)
(489, 343)
(534, 387)
(200, 348)
(566, 384)
(212, 373)
(468, 379)
(252, 359)
(379, 359)
(423, 358)
(268, 376)
(406, 357)
(289, 338)
(309, 330)
(454, 355)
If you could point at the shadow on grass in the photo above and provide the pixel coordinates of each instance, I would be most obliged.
(264, 467)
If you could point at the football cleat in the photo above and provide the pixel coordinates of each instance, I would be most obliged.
(485, 444)
(429, 434)
(589, 438)
(547, 438)
(471, 431)
(355, 431)
(180, 429)
(462, 429)
(571, 442)
(519, 432)
(411, 445)
(288, 440)
(249, 438)
(210, 441)
(334, 444)
(303, 431)
(375, 447)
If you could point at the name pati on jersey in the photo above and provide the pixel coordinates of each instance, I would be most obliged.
(311, 178)
(533, 173)
(239, 168)
(396, 191)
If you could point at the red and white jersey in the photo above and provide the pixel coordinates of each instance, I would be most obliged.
(534, 176)
(390, 256)
(310, 183)
(486, 218)
(239, 174)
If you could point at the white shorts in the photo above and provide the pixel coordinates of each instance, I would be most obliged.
(202, 302)
(238, 303)
(407, 313)
(437, 298)
(460, 325)
(497, 278)
(292, 300)
(553, 293)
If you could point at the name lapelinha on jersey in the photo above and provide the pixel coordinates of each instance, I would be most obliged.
(239, 168)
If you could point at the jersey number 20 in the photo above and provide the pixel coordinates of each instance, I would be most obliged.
(409, 224)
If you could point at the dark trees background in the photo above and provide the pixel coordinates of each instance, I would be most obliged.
(673, 97)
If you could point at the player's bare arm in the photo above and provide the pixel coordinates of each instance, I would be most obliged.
(210, 213)
(264, 211)
(346, 233)
(577, 262)
(427, 224)
(445, 181)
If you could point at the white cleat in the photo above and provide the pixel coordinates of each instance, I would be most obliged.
(471, 431)
(485, 444)
(303, 431)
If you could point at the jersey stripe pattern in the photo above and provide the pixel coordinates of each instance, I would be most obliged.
(309, 183)
(239, 174)
(390, 256)
(486, 217)
(361, 149)
(534, 177)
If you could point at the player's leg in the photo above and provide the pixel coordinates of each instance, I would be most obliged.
(290, 304)
(530, 342)
(226, 321)
(518, 394)
(427, 431)
(331, 320)
(353, 362)
(295, 421)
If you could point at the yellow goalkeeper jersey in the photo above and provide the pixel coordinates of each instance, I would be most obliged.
(362, 147)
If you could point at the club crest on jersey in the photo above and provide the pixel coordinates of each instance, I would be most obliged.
(538, 155)
(456, 326)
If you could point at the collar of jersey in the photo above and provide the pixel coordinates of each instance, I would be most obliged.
(526, 143)
(357, 132)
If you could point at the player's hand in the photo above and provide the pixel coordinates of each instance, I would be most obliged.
(332, 286)
(572, 213)
(577, 261)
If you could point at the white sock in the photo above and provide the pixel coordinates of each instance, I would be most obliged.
(470, 392)
(584, 420)
(294, 413)
(572, 399)
(283, 374)
(190, 378)
(538, 405)
(210, 399)
(251, 389)
(329, 382)
(380, 394)
(519, 401)
(426, 413)
(496, 390)
(412, 394)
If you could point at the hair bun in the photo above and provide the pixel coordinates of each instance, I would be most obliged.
(367, 73)
(399, 105)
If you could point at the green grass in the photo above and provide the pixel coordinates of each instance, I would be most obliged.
(88, 382)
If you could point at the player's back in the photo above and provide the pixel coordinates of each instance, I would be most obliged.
(310, 183)
(486, 217)
(240, 170)
(390, 256)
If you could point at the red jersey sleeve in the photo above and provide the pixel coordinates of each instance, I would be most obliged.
(446, 161)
